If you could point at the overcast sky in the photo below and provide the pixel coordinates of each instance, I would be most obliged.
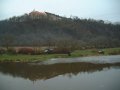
(96, 9)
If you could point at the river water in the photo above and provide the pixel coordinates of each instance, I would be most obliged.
(87, 73)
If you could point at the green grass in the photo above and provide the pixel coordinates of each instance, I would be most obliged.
(77, 53)
(110, 51)
(94, 52)
(29, 58)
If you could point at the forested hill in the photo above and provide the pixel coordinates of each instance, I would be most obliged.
(43, 28)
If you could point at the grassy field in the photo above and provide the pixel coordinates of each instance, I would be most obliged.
(77, 53)
(94, 52)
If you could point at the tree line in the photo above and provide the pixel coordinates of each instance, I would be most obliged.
(53, 30)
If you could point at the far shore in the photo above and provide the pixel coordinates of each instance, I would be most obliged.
(38, 58)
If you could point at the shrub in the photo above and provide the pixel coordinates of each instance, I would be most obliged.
(2, 51)
(11, 51)
(62, 51)
(37, 51)
(26, 51)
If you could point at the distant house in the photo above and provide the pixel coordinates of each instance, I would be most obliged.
(37, 15)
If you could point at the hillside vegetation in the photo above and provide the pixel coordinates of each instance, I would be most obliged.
(47, 29)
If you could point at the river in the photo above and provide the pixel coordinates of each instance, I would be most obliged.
(87, 73)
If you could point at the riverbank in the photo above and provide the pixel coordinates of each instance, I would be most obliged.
(37, 58)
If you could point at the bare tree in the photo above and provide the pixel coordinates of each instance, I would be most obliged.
(8, 41)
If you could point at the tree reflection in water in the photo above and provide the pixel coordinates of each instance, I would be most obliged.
(43, 72)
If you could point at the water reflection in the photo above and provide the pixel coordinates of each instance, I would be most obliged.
(35, 72)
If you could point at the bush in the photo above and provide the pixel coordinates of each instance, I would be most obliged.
(62, 51)
(37, 51)
(26, 51)
(2, 51)
(11, 51)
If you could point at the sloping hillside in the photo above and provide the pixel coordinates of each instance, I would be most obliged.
(43, 28)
